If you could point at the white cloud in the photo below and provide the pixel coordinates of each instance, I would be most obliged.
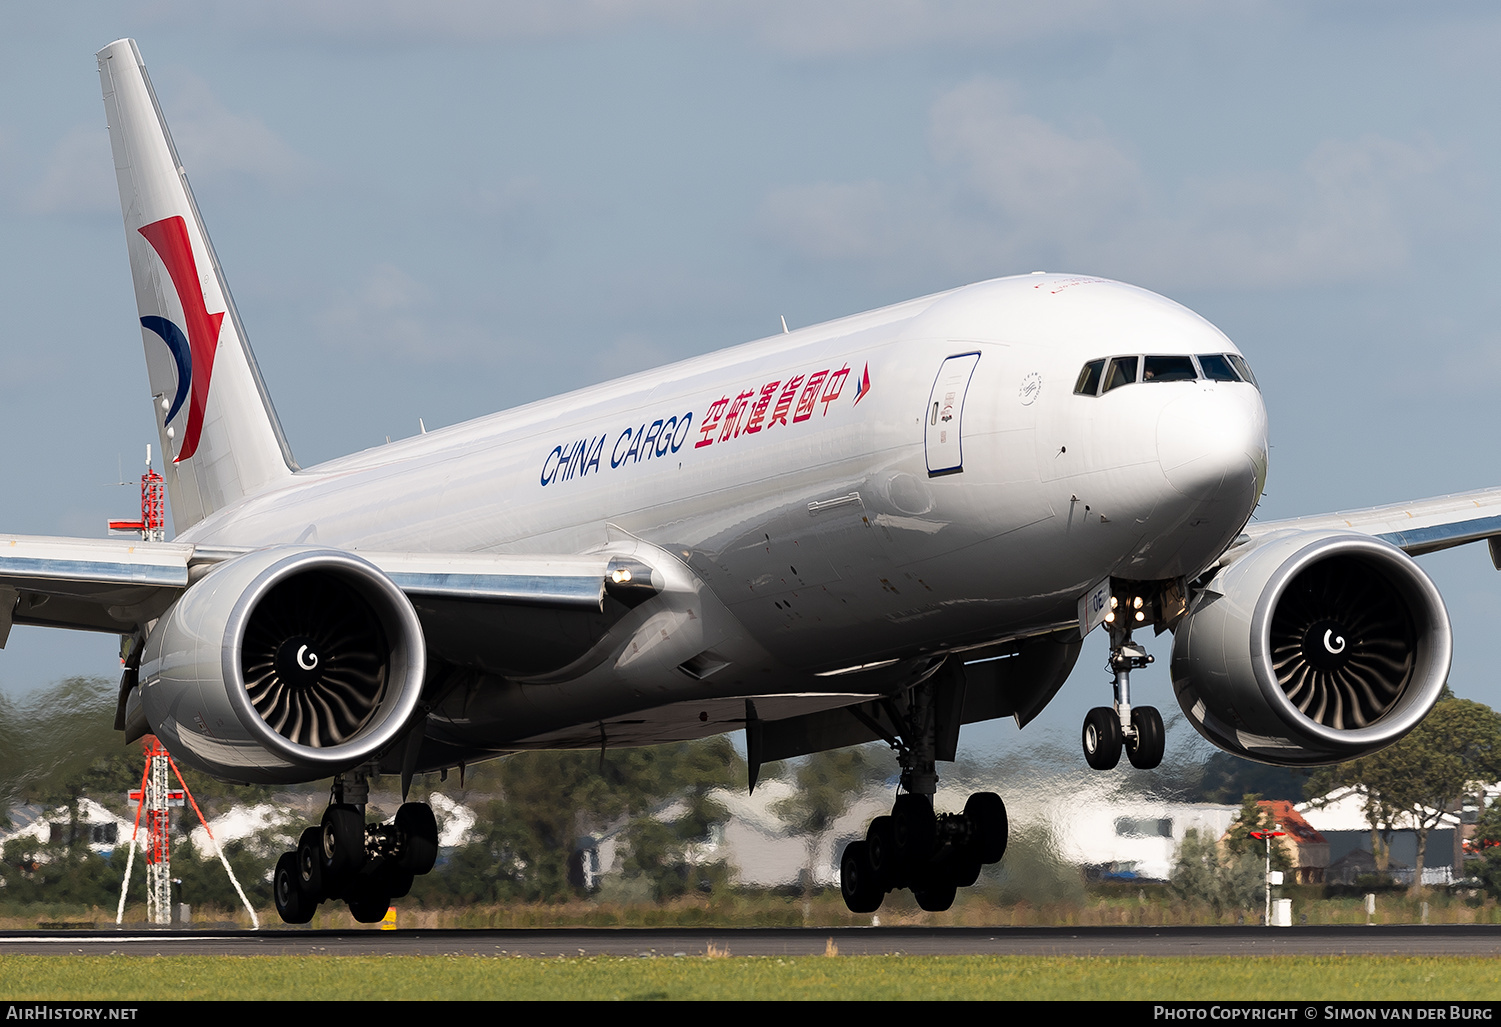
(212, 140)
(215, 141)
(841, 27)
(79, 177)
(804, 28)
(392, 314)
(1036, 177)
(834, 220)
(1009, 191)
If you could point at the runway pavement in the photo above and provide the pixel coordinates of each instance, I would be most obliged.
(632, 942)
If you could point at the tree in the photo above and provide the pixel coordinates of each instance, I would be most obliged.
(827, 782)
(1428, 773)
(1487, 845)
(1223, 777)
(1208, 873)
(545, 802)
(1252, 819)
(48, 745)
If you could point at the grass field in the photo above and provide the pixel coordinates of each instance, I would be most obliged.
(1151, 906)
(730, 978)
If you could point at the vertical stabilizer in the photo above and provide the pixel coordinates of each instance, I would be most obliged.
(217, 426)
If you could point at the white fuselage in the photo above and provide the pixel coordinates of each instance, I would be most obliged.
(822, 533)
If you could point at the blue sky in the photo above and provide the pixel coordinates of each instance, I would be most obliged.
(442, 210)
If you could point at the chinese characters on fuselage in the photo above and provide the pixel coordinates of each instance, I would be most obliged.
(782, 401)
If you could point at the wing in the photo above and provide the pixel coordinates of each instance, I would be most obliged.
(88, 584)
(118, 585)
(1423, 526)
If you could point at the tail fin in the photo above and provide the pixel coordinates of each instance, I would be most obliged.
(212, 411)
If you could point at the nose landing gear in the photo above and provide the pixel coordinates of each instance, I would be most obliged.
(344, 858)
(1109, 729)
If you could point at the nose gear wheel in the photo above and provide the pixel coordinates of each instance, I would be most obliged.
(1102, 738)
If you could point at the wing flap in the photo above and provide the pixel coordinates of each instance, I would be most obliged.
(550, 580)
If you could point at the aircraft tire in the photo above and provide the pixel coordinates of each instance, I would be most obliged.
(913, 829)
(1102, 738)
(418, 829)
(291, 904)
(309, 856)
(991, 829)
(342, 837)
(369, 907)
(935, 889)
(1146, 749)
(401, 883)
(964, 867)
(881, 852)
(858, 881)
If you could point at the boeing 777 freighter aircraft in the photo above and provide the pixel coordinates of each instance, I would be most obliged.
(883, 527)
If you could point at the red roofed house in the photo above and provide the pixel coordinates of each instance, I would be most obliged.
(1307, 849)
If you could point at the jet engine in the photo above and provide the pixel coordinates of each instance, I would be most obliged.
(1312, 648)
(284, 665)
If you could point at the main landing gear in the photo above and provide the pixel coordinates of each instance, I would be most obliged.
(1109, 729)
(934, 854)
(364, 865)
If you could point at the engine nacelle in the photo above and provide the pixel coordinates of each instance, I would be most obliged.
(284, 665)
(1315, 647)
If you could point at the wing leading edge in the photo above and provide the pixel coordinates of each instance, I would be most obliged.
(1419, 527)
(117, 585)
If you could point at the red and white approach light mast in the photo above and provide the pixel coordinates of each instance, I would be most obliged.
(155, 798)
(153, 522)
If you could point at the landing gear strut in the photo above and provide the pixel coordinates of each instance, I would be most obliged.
(1109, 729)
(344, 858)
(934, 854)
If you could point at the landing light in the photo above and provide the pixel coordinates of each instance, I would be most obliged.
(620, 575)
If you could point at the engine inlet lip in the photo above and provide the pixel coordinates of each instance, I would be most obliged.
(1432, 656)
(408, 661)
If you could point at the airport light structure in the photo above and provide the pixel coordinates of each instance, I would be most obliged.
(155, 800)
(1267, 836)
(153, 522)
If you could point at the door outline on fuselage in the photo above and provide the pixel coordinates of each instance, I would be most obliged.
(942, 435)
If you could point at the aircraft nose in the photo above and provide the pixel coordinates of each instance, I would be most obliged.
(1212, 437)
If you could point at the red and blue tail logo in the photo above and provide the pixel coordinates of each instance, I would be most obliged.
(195, 353)
(863, 385)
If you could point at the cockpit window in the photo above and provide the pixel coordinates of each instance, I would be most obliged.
(1122, 372)
(1239, 363)
(1169, 369)
(1100, 376)
(1217, 368)
(1089, 378)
